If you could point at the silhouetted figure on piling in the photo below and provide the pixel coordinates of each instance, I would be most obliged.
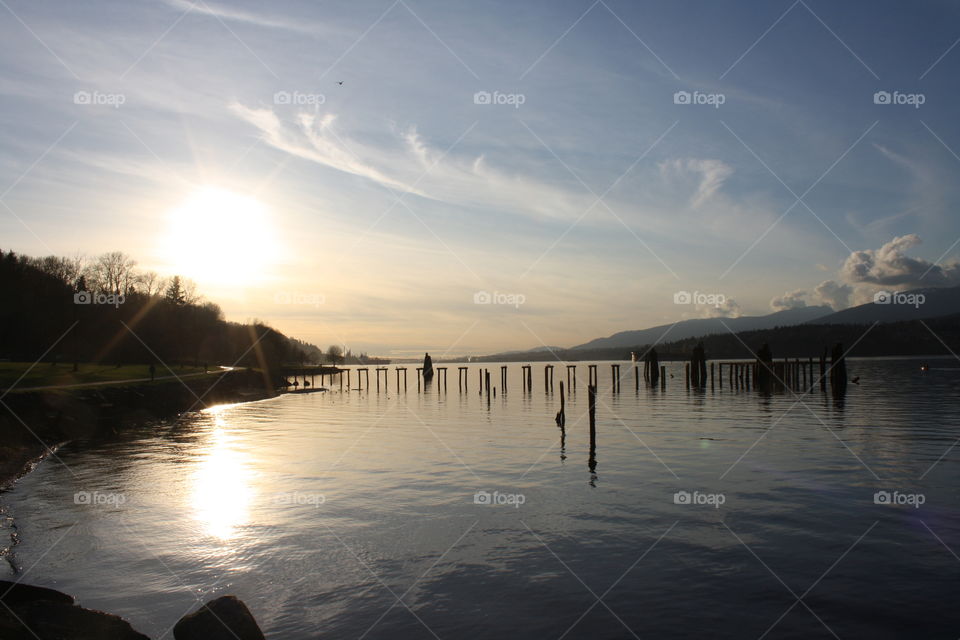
(838, 370)
(764, 376)
(698, 367)
(653, 367)
(427, 368)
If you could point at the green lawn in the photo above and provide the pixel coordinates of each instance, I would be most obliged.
(44, 374)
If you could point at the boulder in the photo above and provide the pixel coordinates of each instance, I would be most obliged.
(38, 613)
(225, 618)
(14, 593)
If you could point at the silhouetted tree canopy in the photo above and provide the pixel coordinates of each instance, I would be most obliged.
(105, 310)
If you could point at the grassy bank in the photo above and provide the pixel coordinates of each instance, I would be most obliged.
(62, 374)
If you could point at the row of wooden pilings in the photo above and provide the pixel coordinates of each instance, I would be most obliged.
(794, 374)
(463, 377)
(785, 373)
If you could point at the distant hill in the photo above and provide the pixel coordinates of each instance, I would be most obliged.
(899, 307)
(707, 326)
(933, 336)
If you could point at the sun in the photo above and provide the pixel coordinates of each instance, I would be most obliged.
(219, 236)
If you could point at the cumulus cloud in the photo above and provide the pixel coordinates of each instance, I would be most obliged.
(726, 309)
(889, 266)
(834, 294)
(789, 300)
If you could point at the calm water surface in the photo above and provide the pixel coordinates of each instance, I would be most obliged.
(349, 515)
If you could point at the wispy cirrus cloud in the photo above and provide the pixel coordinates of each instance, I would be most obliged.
(709, 176)
(412, 165)
(232, 14)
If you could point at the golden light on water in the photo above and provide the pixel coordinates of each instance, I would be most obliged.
(219, 236)
(222, 486)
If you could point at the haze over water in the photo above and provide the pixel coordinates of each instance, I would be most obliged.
(321, 511)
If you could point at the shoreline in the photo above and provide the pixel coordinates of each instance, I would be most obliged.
(38, 423)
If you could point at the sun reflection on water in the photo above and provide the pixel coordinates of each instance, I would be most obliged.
(222, 485)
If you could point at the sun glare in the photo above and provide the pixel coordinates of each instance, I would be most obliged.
(221, 237)
(222, 485)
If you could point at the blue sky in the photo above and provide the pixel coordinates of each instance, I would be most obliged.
(383, 205)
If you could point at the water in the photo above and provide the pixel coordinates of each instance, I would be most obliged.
(353, 514)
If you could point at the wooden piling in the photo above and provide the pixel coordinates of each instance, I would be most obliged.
(686, 373)
(823, 370)
(663, 377)
(592, 404)
(561, 418)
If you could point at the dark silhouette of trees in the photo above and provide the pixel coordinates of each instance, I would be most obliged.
(334, 354)
(174, 293)
(68, 310)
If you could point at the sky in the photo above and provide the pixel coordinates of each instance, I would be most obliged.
(404, 176)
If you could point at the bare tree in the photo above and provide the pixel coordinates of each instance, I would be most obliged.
(112, 272)
(65, 269)
(190, 294)
(151, 283)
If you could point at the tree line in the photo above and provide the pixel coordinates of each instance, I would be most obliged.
(106, 310)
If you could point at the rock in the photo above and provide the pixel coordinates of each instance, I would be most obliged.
(14, 593)
(225, 618)
(55, 620)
